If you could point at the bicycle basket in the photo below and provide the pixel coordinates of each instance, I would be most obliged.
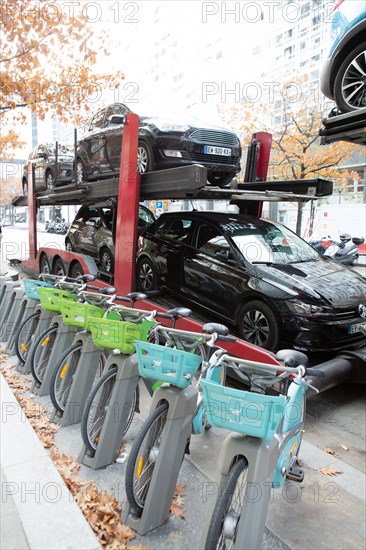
(111, 334)
(50, 298)
(165, 364)
(242, 411)
(77, 314)
(31, 287)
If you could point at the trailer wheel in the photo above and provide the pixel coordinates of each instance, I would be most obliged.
(44, 265)
(76, 271)
(59, 268)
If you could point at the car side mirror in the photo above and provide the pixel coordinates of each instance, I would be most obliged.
(225, 256)
(117, 119)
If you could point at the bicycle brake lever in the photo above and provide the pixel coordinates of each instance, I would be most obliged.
(312, 387)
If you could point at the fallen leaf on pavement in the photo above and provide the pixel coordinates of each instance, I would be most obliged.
(330, 471)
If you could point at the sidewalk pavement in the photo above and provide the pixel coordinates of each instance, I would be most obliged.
(41, 512)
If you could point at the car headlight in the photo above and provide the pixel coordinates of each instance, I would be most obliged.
(308, 310)
(170, 126)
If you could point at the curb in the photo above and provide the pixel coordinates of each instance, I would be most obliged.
(44, 506)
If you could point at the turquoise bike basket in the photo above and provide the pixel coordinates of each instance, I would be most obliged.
(165, 364)
(31, 287)
(244, 412)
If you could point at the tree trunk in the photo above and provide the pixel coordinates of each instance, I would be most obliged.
(300, 207)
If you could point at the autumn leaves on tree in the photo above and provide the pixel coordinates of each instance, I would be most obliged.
(49, 57)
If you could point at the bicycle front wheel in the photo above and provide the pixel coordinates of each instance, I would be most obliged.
(40, 353)
(23, 337)
(96, 408)
(226, 515)
(142, 460)
(63, 375)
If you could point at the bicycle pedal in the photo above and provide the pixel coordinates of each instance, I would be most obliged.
(295, 474)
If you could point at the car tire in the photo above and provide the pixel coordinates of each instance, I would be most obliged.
(44, 265)
(81, 176)
(76, 271)
(146, 275)
(258, 324)
(25, 188)
(50, 182)
(145, 161)
(59, 268)
(220, 180)
(106, 260)
(347, 74)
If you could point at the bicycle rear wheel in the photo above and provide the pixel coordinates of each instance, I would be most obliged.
(142, 460)
(229, 506)
(40, 353)
(23, 337)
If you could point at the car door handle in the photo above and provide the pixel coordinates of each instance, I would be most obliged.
(189, 260)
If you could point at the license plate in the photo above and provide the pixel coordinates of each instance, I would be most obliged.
(223, 151)
(360, 327)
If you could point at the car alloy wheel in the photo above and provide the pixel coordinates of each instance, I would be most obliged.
(350, 82)
(50, 184)
(80, 173)
(106, 260)
(142, 159)
(256, 327)
(25, 189)
(146, 275)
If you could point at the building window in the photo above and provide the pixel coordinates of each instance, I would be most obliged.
(302, 45)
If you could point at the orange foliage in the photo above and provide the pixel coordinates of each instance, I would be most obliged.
(48, 61)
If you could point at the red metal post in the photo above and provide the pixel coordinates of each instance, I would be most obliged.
(265, 140)
(127, 209)
(32, 214)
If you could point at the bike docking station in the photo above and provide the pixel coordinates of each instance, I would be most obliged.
(83, 374)
(176, 432)
(63, 339)
(44, 321)
(262, 457)
(21, 307)
(7, 300)
(119, 406)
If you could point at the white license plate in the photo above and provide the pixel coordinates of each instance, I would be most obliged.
(223, 151)
(360, 327)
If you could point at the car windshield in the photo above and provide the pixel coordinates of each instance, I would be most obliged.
(269, 243)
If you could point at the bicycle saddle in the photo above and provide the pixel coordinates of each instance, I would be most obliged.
(137, 296)
(292, 358)
(108, 290)
(179, 312)
(210, 328)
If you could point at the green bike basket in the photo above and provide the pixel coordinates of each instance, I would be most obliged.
(165, 364)
(111, 334)
(244, 412)
(50, 298)
(31, 287)
(77, 314)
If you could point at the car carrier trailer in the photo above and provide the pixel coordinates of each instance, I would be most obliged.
(189, 182)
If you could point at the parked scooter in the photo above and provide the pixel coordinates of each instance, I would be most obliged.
(346, 251)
